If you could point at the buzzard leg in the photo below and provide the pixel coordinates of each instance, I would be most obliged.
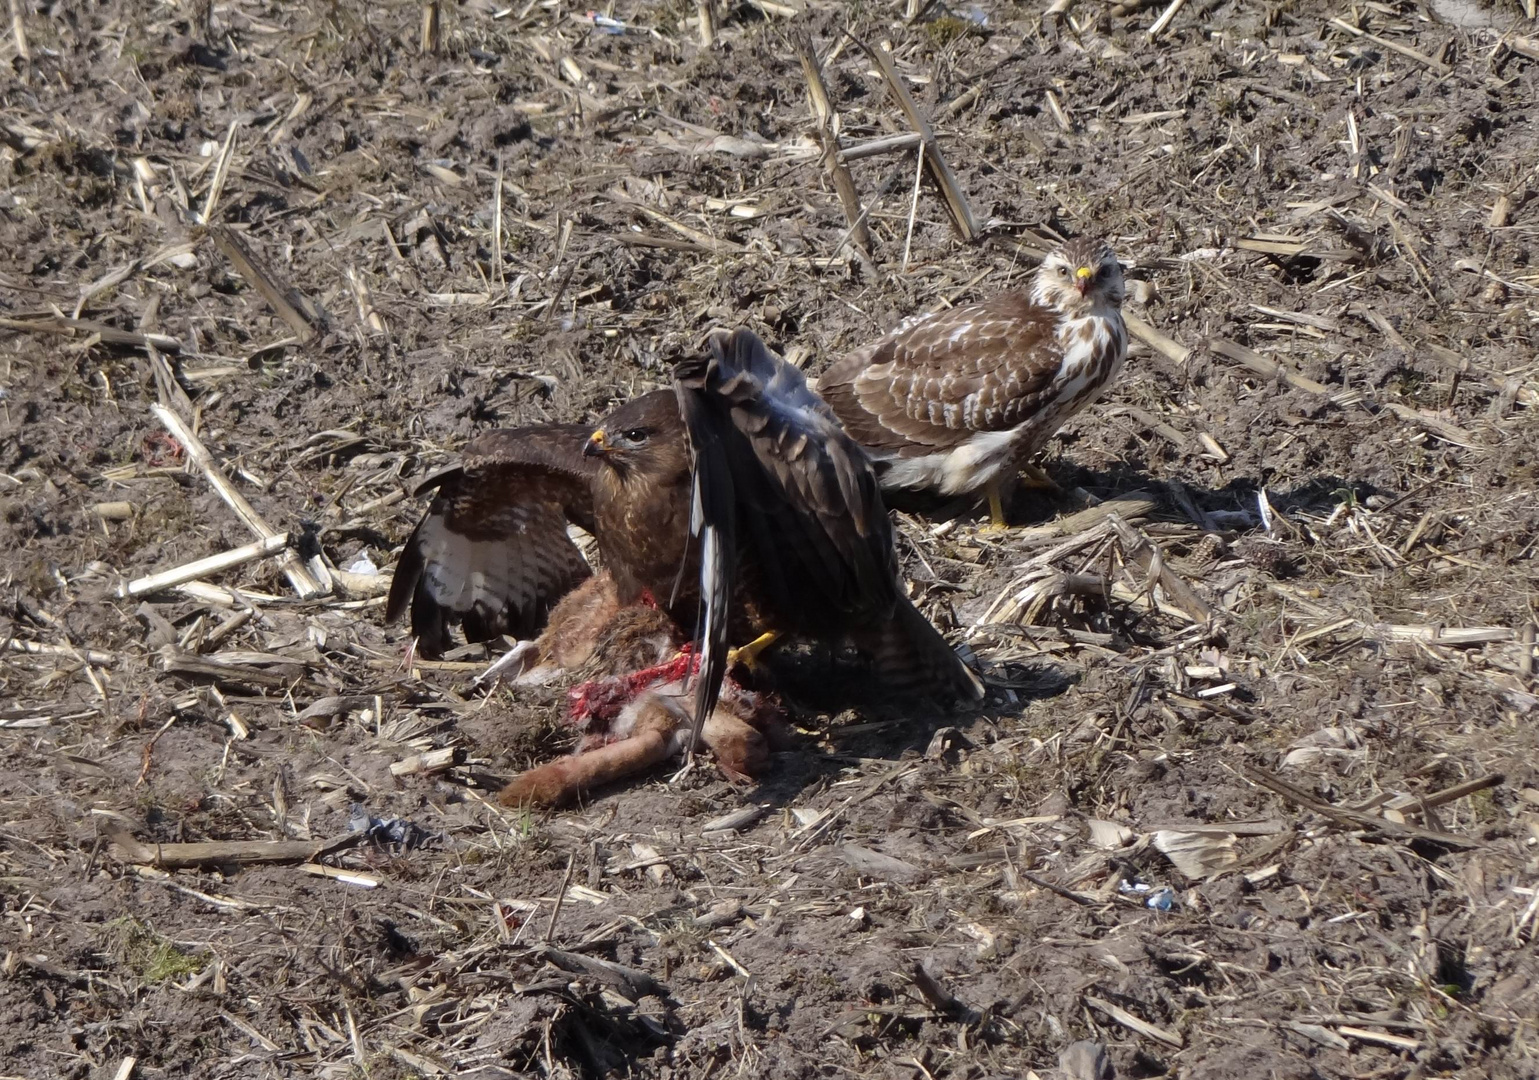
(1031, 476)
(748, 655)
(996, 509)
(1036, 477)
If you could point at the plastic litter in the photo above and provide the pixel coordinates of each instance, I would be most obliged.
(606, 24)
(1162, 898)
(397, 833)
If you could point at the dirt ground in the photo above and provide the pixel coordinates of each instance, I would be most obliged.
(1292, 680)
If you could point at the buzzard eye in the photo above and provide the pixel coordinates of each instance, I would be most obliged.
(1063, 271)
(635, 434)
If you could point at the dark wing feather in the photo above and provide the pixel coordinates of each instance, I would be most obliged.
(713, 519)
(936, 379)
(777, 477)
(811, 508)
(492, 551)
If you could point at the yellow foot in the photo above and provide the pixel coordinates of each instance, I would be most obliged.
(996, 513)
(748, 655)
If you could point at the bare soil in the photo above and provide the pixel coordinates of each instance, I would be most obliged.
(530, 224)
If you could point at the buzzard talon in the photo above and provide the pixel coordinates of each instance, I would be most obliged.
(748, 655)
(956, 401)
(997, 522)
(1034, 476)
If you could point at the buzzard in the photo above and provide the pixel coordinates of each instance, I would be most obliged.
(958, 401)
(734, 501)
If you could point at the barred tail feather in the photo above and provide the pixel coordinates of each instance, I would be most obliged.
(910, 659)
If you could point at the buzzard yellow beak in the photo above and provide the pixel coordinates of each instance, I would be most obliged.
(1082, 278)
(596, 444)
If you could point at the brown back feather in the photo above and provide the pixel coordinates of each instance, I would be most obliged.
(934, 381)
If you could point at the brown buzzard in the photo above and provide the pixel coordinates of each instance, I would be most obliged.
(793, 537)
(958, 401)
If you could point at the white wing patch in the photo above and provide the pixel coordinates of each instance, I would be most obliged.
(461, 573)
(976, 462)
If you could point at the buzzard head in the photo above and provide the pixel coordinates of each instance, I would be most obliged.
(1081, 277)
(643, 436)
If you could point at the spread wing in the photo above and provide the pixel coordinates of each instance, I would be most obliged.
(492, 551)
(776, 476)
(936, 379)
